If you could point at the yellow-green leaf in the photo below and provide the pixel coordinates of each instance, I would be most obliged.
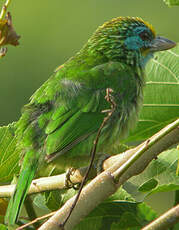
(9, 154)
(161, 95)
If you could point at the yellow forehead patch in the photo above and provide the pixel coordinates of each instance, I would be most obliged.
(147, 24)
(116, 21)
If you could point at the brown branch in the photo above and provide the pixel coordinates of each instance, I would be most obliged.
(104, 185)
(165, 221)
(92, 195)
(111, 164)
(57, 182)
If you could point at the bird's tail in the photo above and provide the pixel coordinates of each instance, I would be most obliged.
(29, 167)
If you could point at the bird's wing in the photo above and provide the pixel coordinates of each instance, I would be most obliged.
(74, 122)
(76, 113)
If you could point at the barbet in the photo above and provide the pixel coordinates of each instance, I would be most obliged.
(64, 114)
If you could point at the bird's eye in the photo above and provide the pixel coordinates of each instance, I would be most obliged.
(144, 36)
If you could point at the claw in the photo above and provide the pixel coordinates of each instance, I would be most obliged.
(68, 183)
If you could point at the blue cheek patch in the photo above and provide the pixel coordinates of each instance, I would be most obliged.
(133, 43)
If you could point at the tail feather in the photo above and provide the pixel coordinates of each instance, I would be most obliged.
(27, 173)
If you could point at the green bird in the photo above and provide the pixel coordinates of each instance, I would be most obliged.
(64, 114)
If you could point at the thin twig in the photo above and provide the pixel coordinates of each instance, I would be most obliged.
(4, 9)
(110, 99)
(36, 220)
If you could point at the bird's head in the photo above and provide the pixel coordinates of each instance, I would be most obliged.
(128, 39)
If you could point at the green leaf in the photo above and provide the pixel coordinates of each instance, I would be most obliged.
(55, 199)
(159, 176)
(115, 215)
(9, 155)
(161, 95)
(149, 185)
(3, 227)
(172, 2)
(121, 194)
(40, 202)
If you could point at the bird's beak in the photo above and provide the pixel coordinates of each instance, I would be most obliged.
(161, 43)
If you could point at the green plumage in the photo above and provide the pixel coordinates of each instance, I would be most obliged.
(64, 114)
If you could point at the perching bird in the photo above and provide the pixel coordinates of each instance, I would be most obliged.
(64, 114)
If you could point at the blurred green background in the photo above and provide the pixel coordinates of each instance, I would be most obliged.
(53, 31)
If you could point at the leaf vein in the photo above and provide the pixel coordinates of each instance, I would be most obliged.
(175, 77)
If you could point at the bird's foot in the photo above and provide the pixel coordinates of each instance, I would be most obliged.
(68, 182)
